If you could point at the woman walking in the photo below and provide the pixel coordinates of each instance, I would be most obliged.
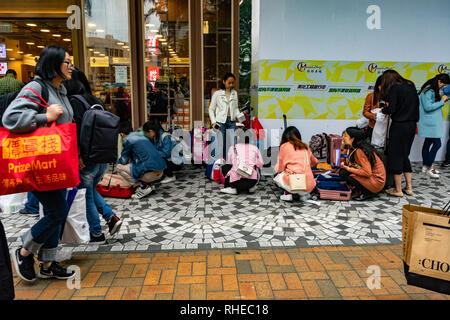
(23, 116)
(431, 123)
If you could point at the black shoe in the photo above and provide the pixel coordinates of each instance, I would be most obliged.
(55, 271)
(24, 266)
(114, 224)
(446, 164)
(363, 197)
(28, 212)
(97, 239)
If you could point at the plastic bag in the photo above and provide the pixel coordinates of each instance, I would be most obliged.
(380, 130)
(12, 203)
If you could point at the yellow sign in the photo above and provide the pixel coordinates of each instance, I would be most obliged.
(99, 61)
(120, 60)
(19, 148)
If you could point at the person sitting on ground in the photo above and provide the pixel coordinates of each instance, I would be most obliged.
(294, 157)
(139, 162)
(163, 142)
(247, 153)
(90, 173)
(363, 170)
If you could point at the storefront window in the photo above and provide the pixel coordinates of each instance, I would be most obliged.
(22, 40)
(216, 47)
(167, 61)
(108, 54)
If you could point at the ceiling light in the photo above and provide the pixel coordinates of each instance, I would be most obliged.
(96, 52)
(41, 47)
(20, 52)
(154, 30)
(150, 25)
(12, 58)
(102, 55)
(31, 24)
(28, 54)
(91, 50)
(92, 25)
(57, 35)
(125, 47)
(120, 43)
(9, 49)
(30, 43)
(45, 30)
(67, 40)
(99, 30)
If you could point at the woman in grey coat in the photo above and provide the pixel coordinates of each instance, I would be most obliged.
(23, 116)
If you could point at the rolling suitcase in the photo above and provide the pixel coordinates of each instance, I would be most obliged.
(334, 149)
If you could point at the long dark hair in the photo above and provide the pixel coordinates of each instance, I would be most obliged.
(388, 78)
(153, 124)
(376, 91)
(49, 63)
(432, 84)
(78, 84)
(292, 135)
(225, 78)
(360, 142)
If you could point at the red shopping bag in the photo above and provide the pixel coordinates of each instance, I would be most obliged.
(45, 159)
(259, 130)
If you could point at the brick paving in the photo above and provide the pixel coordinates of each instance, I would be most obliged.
(316, 273)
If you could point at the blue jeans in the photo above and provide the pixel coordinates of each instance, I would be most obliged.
(43, 238)
(90, 176)
(428, 155)
(447, 154)
(32, 204)
(223, 129)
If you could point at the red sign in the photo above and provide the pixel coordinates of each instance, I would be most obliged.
(152, 75)
(152, 41)
(3, 67)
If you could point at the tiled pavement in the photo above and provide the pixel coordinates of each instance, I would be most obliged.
(337, 273)
(192, 214)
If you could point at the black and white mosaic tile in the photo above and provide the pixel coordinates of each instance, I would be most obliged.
(191, 213)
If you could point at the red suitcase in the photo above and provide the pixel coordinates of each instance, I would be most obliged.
(115, 186)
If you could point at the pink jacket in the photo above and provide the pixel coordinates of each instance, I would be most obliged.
(294, 161)
(249, 154)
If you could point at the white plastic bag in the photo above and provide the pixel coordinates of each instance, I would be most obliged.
(380, 130)
(362, 123)
(12, 203)
(76, 229)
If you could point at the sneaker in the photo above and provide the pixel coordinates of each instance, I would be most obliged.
(97, 239)
(114, 224)
(168, 180)
(446, 164)
(253, 189)
(24, 266)
(432, 173)
(286, 197)
(55, 271)
(28, 212)
(424, 169)
(142, 192)
(229, 190)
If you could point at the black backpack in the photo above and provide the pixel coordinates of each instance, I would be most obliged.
(98, 133)
(6, 99)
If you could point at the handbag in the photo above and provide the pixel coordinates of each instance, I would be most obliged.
(297, 181)
(115, 186)
(43, 160)
(243, 169)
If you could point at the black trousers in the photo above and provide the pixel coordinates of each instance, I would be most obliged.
(401, 138)
(353, 182)
(171, 167)
(6, 275)
(241, 185)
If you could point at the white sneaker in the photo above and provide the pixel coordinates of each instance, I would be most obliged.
(432, 173)
(229, 190)
(424, 169)
(168, 180)
(142, 192)
(286, 197)
(253, 189)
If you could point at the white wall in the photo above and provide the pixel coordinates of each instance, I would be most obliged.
(411, 30)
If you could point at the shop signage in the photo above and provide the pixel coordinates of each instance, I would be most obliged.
(2, 50)
(153, 75)
(3, 67)
(121, 74)
(99, 61)
(120, 60)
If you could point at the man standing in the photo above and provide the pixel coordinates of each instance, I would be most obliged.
(10, 83)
